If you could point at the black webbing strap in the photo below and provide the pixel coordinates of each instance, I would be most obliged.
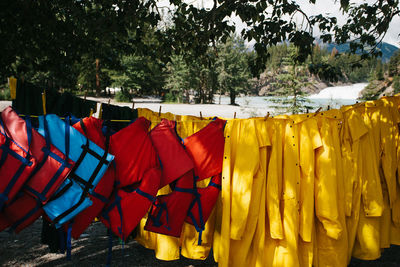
(199, 226)
(63, 189)
(156, 219)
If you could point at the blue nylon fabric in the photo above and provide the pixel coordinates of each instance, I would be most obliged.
(57, 137)
(71, 197)
(71, 142)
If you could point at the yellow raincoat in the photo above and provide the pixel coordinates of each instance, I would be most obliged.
(332, 239)
(240, 165)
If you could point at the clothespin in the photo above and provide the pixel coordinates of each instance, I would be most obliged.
(329, 107)
(318, 110)
(101, 110)
(12, 82)
(201, 116)
(84, 97)
(159, 112)
(133, 105)
(44, 102)
(175, 117)
(308, 110)
(266, 116)
(91, 112)
(234, 115)
(109, 100)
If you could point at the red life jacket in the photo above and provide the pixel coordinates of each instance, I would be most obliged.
(175, 161)
(206, 148)
(137, 178)
(16, 160)
(168, 213)
(50, 172)
(133, 147)
(131, 203)
(200, 212)
(4, 222)
(104, 188)
(21, 213)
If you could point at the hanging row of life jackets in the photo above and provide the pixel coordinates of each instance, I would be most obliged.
(73, 174)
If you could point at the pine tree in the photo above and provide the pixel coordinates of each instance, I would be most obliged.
(291, 98)
(394, 64)
(379, 71)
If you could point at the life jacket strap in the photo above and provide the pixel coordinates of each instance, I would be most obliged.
(185, 190)
(8, 151)
(156, 219)
(5, 149)
(64, 164)
(80, 180)
(146, 195)
(218, 186)
(110, 207)
(199, 226)
(26, 216)
(100, 197)
(4, 195)
(69, 231)
(61, 236)
(94, 154)
(120, 229)
(63, 189)
(115, 203)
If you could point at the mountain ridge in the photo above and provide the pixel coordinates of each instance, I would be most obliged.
(387, 49)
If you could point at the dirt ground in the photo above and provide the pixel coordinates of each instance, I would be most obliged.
(91, 249)
(25, 249)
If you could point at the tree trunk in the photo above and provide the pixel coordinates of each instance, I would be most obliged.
(98, 89)
(232, 94)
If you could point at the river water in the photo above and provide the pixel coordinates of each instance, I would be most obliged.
(335, 97)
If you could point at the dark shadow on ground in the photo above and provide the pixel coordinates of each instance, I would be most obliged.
(91, 249)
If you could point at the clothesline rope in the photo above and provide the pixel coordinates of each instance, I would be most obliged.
(36, 116)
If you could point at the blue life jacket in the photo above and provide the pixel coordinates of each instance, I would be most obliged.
(91, 162)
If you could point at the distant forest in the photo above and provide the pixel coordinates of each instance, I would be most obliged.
(225, 69)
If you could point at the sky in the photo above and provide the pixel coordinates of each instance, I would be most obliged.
(321, 7)
(332, 8)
